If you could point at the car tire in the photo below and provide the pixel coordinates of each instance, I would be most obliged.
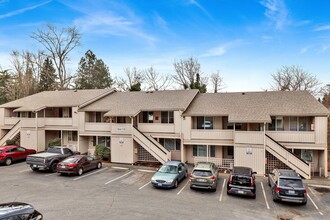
(186, 174)
(176, 184)
(8, 161)
(53, 167)
(254, 197)
(80, 171)
(99, 165)
(304, 203)
(269, 183)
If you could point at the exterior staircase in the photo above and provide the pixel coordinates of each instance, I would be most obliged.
(13, 134)
(288, 158)
(151, 145)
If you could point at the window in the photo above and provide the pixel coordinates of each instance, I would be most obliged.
(230, 151)
(167, 117)
(277, 124)
(147, 117)
(302, 123)
(230, 126)
(98, 117)
(201, 151)
(204, 122)
(293, 123)
(170, 144)
(72, 135)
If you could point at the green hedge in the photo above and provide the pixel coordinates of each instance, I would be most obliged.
(102, 152)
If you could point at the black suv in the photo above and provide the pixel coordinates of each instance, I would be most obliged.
(287, 186)
(241, 182)
(18, 211)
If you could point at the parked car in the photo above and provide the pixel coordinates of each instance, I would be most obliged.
(19, 210)
(207, 125)
(78, 164)
(10, 154)
(49, 160)
(242, 182)
(170, 174)
(204, 176)
(287, 185)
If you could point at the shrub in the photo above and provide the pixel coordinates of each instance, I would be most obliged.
(102, 152)
(10, 142)
(54, 142)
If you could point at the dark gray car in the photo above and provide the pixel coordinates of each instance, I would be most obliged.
(287, 186)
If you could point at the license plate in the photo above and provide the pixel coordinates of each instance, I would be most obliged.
(63, 166)
(240, 192)
(34, 165)
(291, 192)
(159, 184)
(202, 180)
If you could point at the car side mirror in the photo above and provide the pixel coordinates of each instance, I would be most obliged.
(254, 172)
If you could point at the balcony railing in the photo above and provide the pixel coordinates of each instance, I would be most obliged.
(293, 136)
(11, 120)
(118, 128)
(249, 137)
(212, 134)
(94, 126)
(220, 162)
(156, 127)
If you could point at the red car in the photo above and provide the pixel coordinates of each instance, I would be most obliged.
(78, 164)
(9, 154)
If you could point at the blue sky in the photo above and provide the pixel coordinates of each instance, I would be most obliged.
(246, 40)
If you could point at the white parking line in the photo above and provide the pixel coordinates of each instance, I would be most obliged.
(311, 191)
(22, 171)
(145, 185)
(317, 208)
(182, 188)
(121, 168)
(147, 171)
(263, 190)
(119, 177)
(78, 178)
(223, 186)
(51, 174)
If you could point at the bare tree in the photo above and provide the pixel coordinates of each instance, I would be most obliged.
(155, 81)
(217, 82)
(293, 78)
(189, 74)
(133, 80)
(58, 44)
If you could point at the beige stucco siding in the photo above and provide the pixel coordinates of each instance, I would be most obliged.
(28, 138)
(321, 124)
(122, 149)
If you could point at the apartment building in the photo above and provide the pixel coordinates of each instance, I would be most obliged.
(261, 130)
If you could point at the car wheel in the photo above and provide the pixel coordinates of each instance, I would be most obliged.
(99, 165)
(269, 183)
(186, 174)
(80, 171)
(176, 184)
(53, 167)
(254, 197)
(8, 161)
(304, 203)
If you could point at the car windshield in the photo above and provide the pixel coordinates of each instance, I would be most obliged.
(168, 169)
(203, 173)
(54, 150)
(241, 180)
(71, 160)
(293, 183)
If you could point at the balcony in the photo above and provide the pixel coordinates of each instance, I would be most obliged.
(212, 134)
(293, 136)
(11, 120)
(249, 137)
(98, 127)
(156, 127)
(57, 121)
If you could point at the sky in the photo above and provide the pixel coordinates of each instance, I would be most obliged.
(245, 40)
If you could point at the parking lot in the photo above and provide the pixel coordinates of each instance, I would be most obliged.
(125, 192)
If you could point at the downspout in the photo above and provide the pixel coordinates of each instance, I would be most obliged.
(37, 130)
(264, 163)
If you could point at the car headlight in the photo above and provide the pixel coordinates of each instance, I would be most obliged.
(169, 181)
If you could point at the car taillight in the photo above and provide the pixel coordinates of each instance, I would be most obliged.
(231, 180)
(305, 192)
(277, 189)
(252, 182)
(191, 176)
(73, 164)
(212, 177)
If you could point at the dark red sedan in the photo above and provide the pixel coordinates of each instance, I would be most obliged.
(78, 164)
(9, 154)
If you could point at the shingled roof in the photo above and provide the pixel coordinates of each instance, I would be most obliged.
(131, 103)
(62, 98)
(256, 106)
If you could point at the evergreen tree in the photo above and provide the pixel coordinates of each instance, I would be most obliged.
(92, 73)
(4, 85)
(47, 76)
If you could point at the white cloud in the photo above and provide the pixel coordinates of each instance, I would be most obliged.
(22, 10)
(221, 49)
(303, 50)
(322, 28)
(194, 2)
(160, 21)
(266, 38)
(276, 11)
